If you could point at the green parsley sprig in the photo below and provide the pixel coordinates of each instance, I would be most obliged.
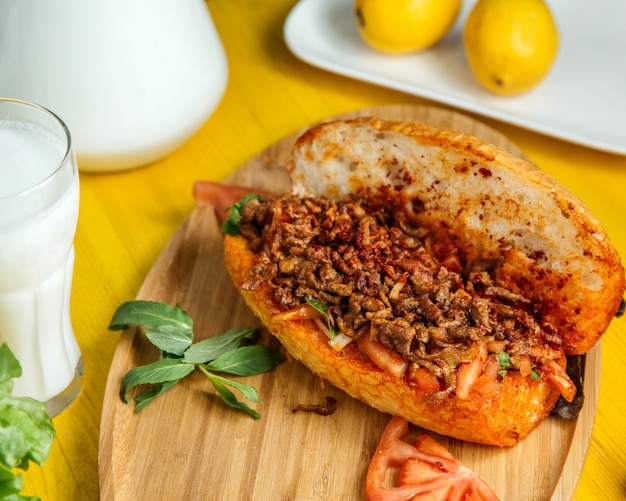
(232, 226)
(504, 360)
(170, 329)
(26, 431)
(316, 305)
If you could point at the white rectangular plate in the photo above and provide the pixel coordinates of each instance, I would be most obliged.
(582, 100)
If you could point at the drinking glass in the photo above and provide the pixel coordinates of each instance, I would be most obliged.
(39, 192)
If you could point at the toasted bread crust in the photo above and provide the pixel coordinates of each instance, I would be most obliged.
(494, 204)
(496, 207)
(502, 420)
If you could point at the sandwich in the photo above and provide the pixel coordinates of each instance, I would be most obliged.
(427, 273)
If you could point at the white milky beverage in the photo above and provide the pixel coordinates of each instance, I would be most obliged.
(39, 194)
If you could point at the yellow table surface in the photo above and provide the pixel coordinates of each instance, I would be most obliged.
(127, 218)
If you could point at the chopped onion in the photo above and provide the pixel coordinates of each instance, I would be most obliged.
(340, 340)
(397, 289)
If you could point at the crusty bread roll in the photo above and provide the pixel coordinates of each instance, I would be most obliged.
(494, 204)
(502, 214)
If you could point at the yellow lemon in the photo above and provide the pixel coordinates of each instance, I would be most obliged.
(401, 26)
(510, 44)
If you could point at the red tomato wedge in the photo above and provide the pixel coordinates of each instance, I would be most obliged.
(428, 472)
(558, 377)
(469, 372)
(301, 312)
(423, 379)
(221, 196)
(387, 360)
(486, 385)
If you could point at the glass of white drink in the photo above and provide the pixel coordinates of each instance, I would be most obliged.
(38, 215)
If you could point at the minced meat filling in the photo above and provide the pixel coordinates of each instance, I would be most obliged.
(385, 278)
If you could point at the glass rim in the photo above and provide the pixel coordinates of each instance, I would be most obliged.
(64, 160)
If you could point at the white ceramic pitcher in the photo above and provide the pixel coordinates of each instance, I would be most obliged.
(132, 79)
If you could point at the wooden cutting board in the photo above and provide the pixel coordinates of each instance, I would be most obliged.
(187, 445)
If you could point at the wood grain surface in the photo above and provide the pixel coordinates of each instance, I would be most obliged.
(187, 445)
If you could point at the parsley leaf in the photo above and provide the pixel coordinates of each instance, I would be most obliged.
(229, 397)
(246, 361)
(170, 329)
(145, 397)
(161, 371)
(232, 225)
(315, 304)
(504, 360)
(152, 315)
(209, 349)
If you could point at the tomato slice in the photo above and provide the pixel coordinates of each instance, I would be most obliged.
(301, 312)
(467, 375)
(522, 363)
(221, 196)
(486, 385)
(492, 368)
(387, 360)
(423, 379)
(391, 451)
(556, 374)
(428, 472)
